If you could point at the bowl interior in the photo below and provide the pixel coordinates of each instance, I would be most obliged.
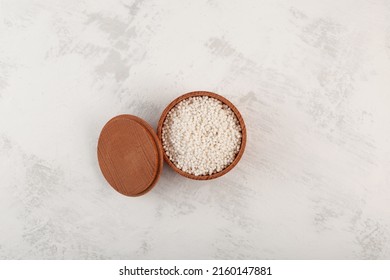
(223, 100)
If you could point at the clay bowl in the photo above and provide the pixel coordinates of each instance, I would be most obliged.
(223, 100)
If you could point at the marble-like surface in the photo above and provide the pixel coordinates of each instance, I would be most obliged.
(311, 78)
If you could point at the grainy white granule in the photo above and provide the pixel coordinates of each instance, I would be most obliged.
(201, 135)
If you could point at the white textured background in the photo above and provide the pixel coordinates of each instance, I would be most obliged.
(311, 78)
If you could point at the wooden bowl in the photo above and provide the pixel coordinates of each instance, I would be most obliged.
(223, 100)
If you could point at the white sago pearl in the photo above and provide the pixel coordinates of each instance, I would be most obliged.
(201, 135)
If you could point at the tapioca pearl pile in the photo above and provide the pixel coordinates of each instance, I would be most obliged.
(201, 135)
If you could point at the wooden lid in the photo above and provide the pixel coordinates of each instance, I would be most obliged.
(130, 155)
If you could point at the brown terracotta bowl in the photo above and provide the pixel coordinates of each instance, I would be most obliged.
(223, 100)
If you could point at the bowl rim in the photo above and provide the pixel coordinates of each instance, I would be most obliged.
(226, 102)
